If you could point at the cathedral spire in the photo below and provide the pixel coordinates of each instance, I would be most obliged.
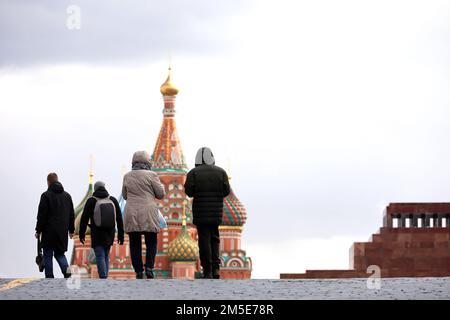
(167, 155)
(91, 169)
(80, 207)
(184, 215)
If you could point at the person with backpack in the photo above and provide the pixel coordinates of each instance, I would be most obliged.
(208, 184)
(104, 214)
(141, 189)
(55, 221)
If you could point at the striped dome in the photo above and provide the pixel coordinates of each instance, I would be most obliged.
(79, 209)
(91, 256)
(183, 248)
(234, 213)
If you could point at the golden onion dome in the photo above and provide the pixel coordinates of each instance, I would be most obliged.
(183, 248)
(168, 88)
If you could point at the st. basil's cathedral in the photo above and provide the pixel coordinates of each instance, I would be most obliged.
(177, 256)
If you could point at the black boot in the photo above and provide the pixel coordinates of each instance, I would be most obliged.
(67, 274)
(207, 274)
(149, 273)
(139, 275)
(216, 273)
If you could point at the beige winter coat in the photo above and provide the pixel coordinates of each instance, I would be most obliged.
(141, 188)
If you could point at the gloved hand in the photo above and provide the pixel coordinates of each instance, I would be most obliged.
(120, 241)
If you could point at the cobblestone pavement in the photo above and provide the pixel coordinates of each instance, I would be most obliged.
(399, 288)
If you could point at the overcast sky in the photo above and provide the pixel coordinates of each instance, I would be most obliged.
(324, 111)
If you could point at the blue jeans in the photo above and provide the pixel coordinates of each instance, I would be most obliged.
(48, 262)
(102, 258)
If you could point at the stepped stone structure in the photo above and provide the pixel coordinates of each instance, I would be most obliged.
(413, 242)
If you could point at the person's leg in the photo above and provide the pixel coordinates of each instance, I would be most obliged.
(215, 250)
(100, 258)
(136, 251)
(151, 245)
(204, 245)
(107, 249)
(63, 264)
(48, 262)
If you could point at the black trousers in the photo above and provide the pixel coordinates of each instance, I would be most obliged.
(151, 245)
(209, 246)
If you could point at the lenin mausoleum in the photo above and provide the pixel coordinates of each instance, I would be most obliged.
(177, 255)
(414, 241)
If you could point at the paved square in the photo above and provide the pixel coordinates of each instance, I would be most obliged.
(392, 288)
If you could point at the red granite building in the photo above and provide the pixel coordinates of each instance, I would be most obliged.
(414, 241)
(177, 257)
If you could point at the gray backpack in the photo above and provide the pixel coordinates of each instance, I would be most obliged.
(104, 213)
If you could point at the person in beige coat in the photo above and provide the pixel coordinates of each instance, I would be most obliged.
(141, 189)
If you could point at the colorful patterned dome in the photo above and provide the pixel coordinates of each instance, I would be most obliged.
(183, 248)
(234, 213)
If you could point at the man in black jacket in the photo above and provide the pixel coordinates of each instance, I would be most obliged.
(102, 238)
(55, 220)
(208, 184)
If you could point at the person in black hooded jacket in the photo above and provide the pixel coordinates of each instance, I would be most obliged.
(208, 184)
(101, 238)
(55, 220)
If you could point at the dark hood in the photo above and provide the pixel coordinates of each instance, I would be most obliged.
(204, 156)
(101, 193)
(56, 187)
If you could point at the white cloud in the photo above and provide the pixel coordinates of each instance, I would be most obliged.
(111, 32)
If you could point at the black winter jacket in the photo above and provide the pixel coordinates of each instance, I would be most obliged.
(55, 218)
(100, 237)
(208, 184)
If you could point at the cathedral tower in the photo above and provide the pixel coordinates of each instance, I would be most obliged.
(234, 260)
(177, 252)
(169, 162)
